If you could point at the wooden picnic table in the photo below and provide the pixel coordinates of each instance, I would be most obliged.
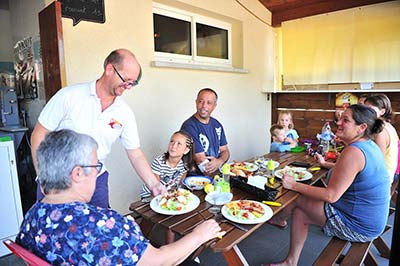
(228, 245)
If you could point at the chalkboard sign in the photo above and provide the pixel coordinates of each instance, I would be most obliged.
(90, 10)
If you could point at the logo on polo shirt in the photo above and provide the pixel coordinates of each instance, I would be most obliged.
(115, 124)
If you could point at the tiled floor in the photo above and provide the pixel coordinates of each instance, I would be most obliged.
(267, 244)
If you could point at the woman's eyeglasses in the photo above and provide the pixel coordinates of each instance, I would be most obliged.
(126, 83)
(98, 166)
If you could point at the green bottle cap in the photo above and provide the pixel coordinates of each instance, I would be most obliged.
(271, 165)
(225, 169)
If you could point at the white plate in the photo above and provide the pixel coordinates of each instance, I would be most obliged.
(194, 201)
(307, 175)
(196, 182)
(249, 167)
(264, 163)
(218, 198)
(267, 215)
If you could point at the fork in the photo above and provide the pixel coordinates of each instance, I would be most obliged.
(221, 219)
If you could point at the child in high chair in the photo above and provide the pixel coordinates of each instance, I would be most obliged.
(286, 121)
(172, 166)
(278, 140)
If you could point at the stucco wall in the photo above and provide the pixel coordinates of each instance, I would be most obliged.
(165, 96)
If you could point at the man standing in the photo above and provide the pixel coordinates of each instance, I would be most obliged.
(211, 147)
(96, 109)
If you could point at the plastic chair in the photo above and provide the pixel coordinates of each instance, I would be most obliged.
(28, 257)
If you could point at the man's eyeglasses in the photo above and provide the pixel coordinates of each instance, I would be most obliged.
(126, 83)
(98, 166)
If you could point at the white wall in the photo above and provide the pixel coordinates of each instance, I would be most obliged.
(6, 46)
(165, 97)
(24, 18)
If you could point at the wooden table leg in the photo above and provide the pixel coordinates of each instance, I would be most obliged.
(234, 257)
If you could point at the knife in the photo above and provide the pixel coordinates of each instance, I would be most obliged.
(238, 226)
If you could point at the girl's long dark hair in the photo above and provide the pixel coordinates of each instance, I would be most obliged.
(187, 159)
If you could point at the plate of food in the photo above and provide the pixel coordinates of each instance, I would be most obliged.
(243, 169)
(246, 212)
(298, 173)
(175, 202)
(264, 163)
(196, 182)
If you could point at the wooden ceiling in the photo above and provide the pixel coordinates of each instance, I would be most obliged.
(283, 10)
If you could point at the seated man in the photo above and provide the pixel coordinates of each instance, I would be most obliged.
(64, 230)
(211, 147)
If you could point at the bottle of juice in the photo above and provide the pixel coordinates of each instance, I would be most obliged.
(270, 173)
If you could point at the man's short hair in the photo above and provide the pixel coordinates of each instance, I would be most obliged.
(274, 129)
(114, 58)
(208, 90)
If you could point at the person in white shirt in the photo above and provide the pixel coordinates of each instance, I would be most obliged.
(95, 109)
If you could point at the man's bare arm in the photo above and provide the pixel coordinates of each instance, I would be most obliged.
(143, 169)
(38, 134)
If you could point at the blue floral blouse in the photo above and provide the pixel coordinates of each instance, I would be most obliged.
(81, 234)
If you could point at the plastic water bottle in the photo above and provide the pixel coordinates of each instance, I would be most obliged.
(325, 146)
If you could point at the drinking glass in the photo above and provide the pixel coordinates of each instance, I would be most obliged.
(214, 209)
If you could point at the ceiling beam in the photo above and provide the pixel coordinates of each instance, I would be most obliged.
(294, 9)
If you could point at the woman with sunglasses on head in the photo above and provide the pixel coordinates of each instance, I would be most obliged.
(355, 204)
(64, 229)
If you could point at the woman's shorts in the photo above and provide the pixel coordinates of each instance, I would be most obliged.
(334, 226)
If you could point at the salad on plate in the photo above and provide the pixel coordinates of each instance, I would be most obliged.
(176, 200)
(245, 209)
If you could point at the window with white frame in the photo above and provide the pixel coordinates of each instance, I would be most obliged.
(184, 37)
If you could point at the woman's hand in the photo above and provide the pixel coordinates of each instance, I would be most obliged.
(208, 230)
(320, 159)
(288, 181)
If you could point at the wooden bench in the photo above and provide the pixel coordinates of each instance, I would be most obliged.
(380, 243)
(357, 254)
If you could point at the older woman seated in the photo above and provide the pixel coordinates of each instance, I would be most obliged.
(355, 204)
(64, 230)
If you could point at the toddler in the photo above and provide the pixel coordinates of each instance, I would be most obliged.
(278, 140)
(286, 121)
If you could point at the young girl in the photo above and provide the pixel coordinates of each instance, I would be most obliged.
(286, 121)
(387, 139)
(170, 168)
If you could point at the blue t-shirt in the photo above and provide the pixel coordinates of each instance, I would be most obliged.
(208, 138)
(81, 234)
(279, 147)
(364, 206)
(292, 133)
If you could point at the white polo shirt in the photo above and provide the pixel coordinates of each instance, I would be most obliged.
(78, 108)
